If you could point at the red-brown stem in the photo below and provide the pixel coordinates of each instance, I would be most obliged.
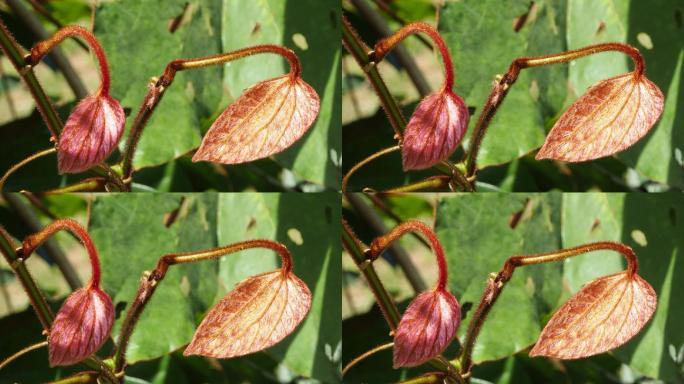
(381, 243)
(501, 88)
(384, 46)
(496, 284)
(34, 241)
(191, 257)
(222, 58)
(149, 283)
(42, 48)
(564, 57)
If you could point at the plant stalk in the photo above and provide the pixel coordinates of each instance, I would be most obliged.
(15, 55)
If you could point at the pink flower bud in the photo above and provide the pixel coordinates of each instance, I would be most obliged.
(82, 325)
(435, 130)
(90, 134)
(427, 327)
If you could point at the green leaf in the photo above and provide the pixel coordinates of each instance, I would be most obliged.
(483, 43)
(249, 23)
(309, 228)
(478, 237)
(138, 44)
(131, 232)
(652, 226)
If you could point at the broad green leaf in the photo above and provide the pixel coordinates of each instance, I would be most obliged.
(478, 237)
(136, 37)
(652, 29)
(483, 43)
(652, 226)
(131, 232)
(309, 227)
(311, 29)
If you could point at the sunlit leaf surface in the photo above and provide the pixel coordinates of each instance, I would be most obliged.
(603, 315)
(610, 117)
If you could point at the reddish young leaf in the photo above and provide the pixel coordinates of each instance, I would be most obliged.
(90, 134)
(265, 120)
(610, 117)
(603, 315)
(434, 131)
(426, 328)
(258, 313)
(81, 327)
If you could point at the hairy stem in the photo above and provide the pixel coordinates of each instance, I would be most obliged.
(380, 244)
(31, 243)
(502, 86)
(359, 51)
(222, 58)
(43, 47)
(149, 282)
(496, 283)
(9, 250)
(384, 46)
(358, 251)
(16, 56)
(365, 355)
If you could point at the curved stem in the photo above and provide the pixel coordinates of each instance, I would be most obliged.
(8, 248)
(384, 46)
(366, 354)
(360, 164)
(222, 58)
(16, 56)
(496, 283)
(434, 182)
(34, 241)
(191, 257)
(358, 252)
(92, 184)
(359, 50)
(25, 161)
(79, 378)
(149, 282)
(21, 353)
(42, 48)
(502, 86)
(381, 243)
(564, 57)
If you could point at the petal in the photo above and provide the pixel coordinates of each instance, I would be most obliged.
(610, 117)
(265, 120)
(603, 315)
(434, 131)
(258, 313)
(90, 134)
(82, 325)
(426, 328)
